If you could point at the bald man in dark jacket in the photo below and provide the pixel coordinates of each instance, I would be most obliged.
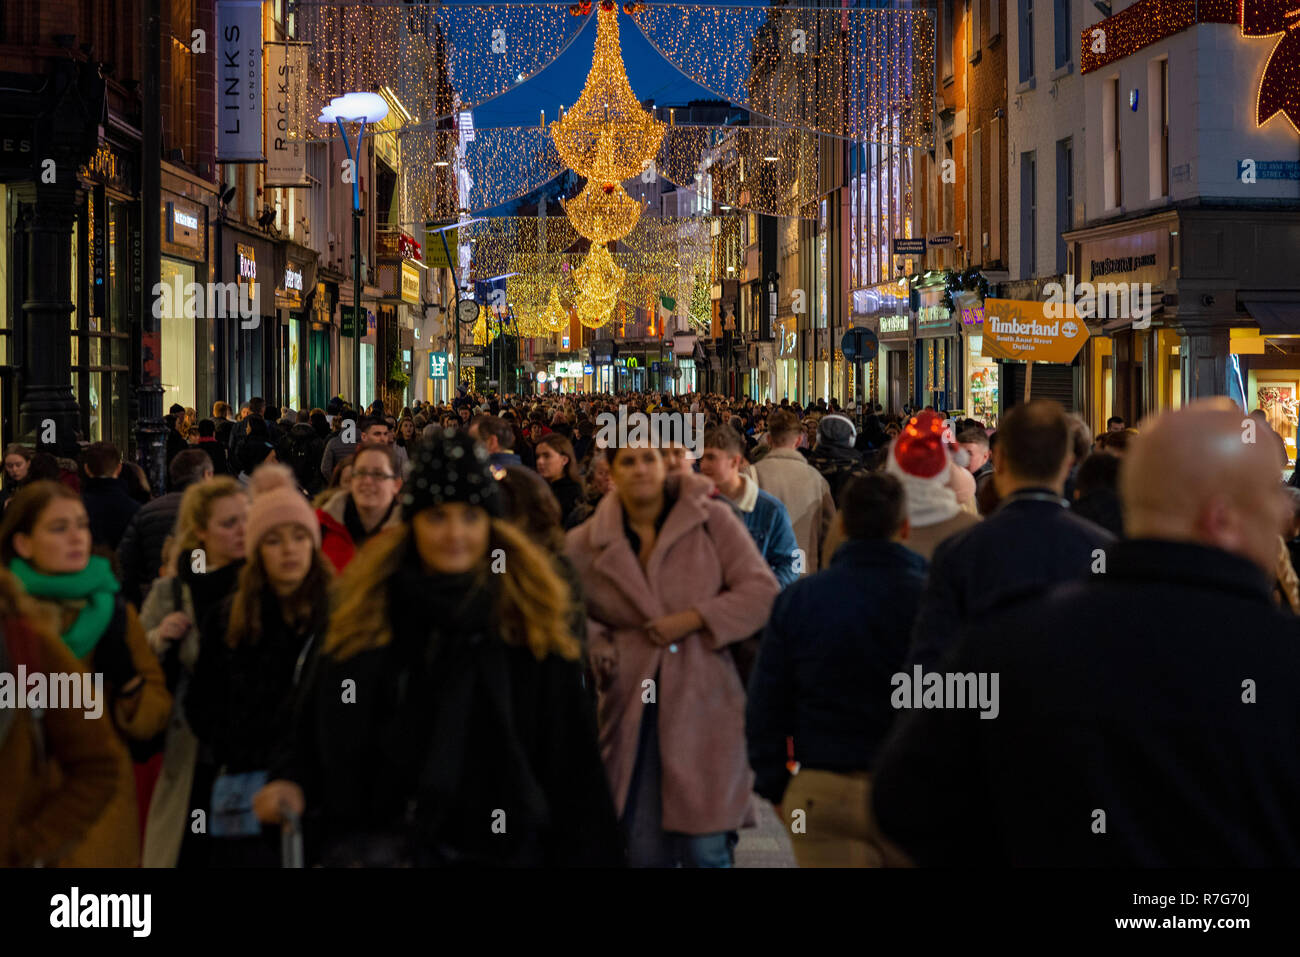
(1147, 714)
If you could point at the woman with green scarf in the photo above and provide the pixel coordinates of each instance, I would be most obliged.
(45, 542)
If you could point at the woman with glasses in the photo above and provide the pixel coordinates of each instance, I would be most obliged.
(352, 517)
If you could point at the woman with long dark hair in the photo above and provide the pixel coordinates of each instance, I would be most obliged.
(443, 722)
(252, 651)
(557, 463)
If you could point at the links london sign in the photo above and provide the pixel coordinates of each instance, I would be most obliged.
(239, 81)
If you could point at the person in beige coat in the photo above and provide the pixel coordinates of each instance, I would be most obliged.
(672, 579)
(805, 493)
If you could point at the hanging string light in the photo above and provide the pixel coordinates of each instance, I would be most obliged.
(607, 105)
(846, 72)
(443, 58)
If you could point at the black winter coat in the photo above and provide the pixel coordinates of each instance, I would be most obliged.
(1028, 544)
(110, 507)
(568, 493)
(139, 554)
(1123, 693)
(217, 452)
(239, 699)
(302, 449)
(838, 464)
(826, 660)
(452, 736)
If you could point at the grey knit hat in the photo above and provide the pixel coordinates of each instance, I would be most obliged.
(837, 430)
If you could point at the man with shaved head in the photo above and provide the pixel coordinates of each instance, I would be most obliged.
(1147, 713)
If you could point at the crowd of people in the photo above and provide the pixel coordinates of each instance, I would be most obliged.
(482, 633)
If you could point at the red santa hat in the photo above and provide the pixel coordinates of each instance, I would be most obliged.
(919, 451)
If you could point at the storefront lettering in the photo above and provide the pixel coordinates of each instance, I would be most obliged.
(1104, 267)
(293, 279)
(185, 219)
(247, 261)
(893, 324)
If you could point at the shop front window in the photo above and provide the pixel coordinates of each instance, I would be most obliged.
(981, 382)
(177, 335)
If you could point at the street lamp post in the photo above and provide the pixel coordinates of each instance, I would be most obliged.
(359, 108)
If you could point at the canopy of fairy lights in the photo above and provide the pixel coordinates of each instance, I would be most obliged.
(437, 58)
(799, 74)
(859, 74)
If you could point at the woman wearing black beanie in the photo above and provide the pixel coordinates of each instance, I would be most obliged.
(447, 724)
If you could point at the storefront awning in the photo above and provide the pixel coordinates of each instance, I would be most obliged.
(1275, 318)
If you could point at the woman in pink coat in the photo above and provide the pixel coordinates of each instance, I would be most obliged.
(671, 578)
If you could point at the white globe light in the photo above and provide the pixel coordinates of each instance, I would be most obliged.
(370, 107)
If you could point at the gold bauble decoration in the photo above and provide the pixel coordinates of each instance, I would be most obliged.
(607, 104)
(603, 211)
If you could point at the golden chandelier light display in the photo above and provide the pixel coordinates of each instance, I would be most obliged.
(607, 103)
(603, 211)
(599, 281)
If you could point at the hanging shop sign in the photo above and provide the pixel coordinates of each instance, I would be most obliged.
(568, 370)
(292, 289)
(286, 87)
(945, 240)
(588, 369)
(239, 81)
(438, 365)
(788, 337)
(433, 242)
(476, 361)
(246, 260)
(410, 283)
(1022, 329)
(909, 247)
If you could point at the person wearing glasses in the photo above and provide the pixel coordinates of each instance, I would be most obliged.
(353, 516)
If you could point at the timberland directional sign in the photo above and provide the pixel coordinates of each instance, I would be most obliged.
(1021, 329)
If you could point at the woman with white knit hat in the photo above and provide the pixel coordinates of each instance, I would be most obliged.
(252, 651)
(934, 486)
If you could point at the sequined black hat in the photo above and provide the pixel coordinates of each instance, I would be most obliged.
(450, 466)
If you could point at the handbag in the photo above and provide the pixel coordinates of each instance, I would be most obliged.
(232, 804)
